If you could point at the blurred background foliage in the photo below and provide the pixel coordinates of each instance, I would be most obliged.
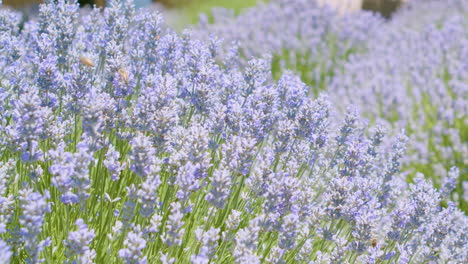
(180, 13)
(189, 10)
(193, 5)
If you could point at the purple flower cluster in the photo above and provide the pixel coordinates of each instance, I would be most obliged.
(170, 153)
(414, 76)
(409, 72)
(301, 34)
(79, 242)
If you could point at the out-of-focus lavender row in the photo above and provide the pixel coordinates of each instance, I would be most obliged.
(299, 25)
(414, 75)
(409, 71)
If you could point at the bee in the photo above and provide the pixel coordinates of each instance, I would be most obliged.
(374, 242)
(87, 61)
(123, 75)
(157, 37)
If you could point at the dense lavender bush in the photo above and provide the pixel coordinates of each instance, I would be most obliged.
(410, 71)
(301, 34)
(416, 14)
(416, 79)
(123, 142)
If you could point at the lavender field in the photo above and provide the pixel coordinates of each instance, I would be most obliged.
(286, 133)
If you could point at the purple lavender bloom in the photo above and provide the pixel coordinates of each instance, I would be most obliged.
(78, 244)
(289, 230)
(147, 195)
(209, 240)
(221, 185)
(392, 167)
(31, 121)
(63, 169)
(188, 180)
(281, 194)
(6, 200)
(246, 242)
(174, 226)
(98, 111)
(71, 172)
(238, 153)
(450, 182)
(5, 252)
(142, 155)
(157, 108)
(112, 163)
(34, 206)
(134, 245)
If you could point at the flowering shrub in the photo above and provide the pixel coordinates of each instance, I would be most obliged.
(123, 142)
(409, 72)
(416, 79)
(301, 35)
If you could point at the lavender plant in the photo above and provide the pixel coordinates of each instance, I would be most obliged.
(304, 36)
(138, 145)
(413, 76)
(409, 71)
